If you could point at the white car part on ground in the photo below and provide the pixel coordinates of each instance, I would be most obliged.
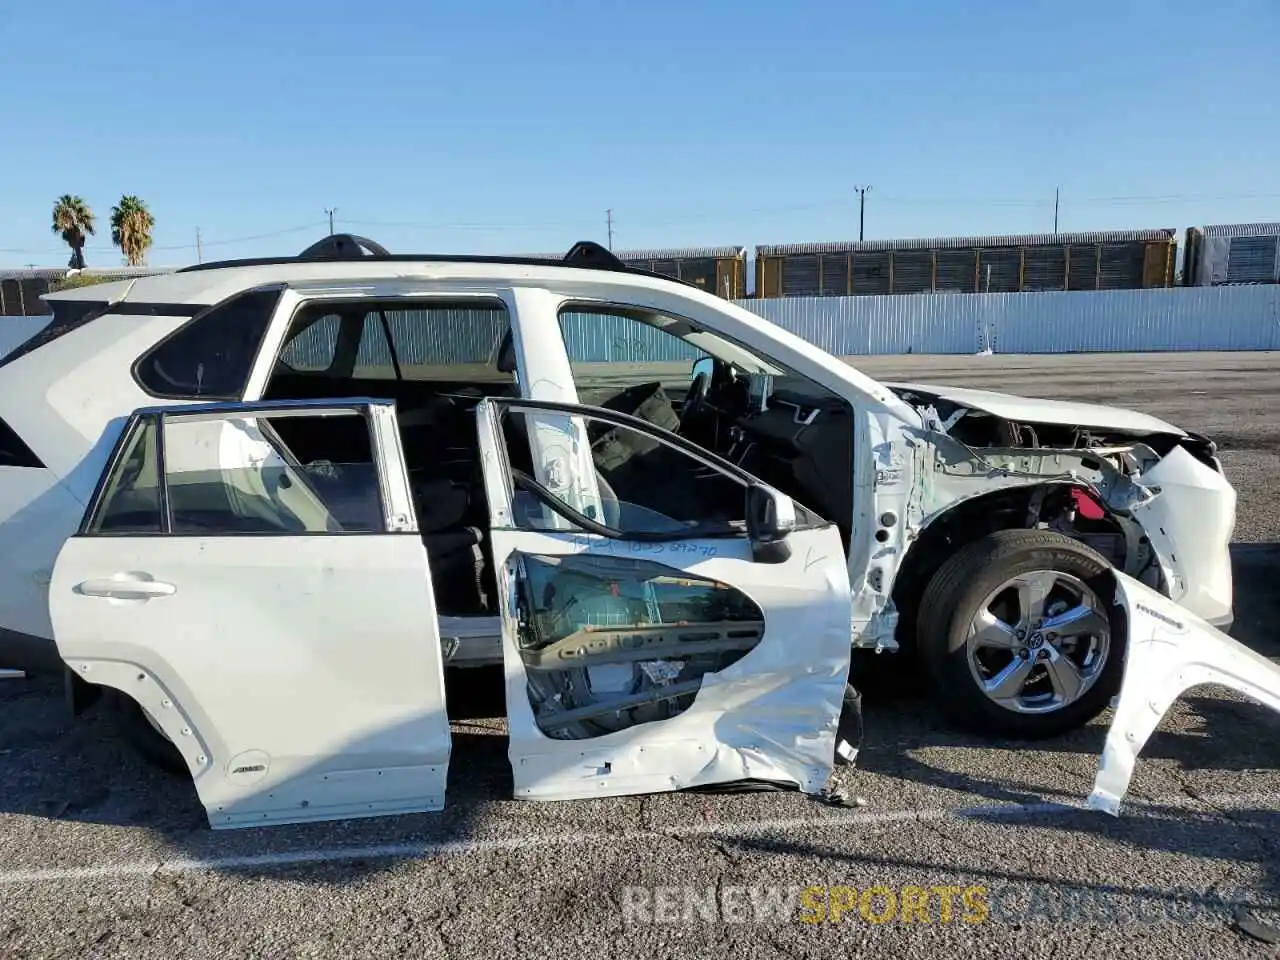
(1170, 650)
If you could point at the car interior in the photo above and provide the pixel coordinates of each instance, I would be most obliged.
(797, 442)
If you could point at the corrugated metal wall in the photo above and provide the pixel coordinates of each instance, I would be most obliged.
(938, 323)
(1196, 318)
(593, 338)
(1193, 318)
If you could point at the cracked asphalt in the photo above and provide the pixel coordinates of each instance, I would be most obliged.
(101, 856)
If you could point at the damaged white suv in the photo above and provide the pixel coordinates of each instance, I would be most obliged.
(266, 502)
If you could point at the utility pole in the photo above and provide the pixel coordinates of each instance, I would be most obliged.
(331, 212)
(862, 210)
(199, 248)
(1055, 210)
(608, 221)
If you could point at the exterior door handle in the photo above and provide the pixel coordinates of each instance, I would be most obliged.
(126, 588)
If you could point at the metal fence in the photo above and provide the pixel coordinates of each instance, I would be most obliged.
(1178, 318)
(1190, 318)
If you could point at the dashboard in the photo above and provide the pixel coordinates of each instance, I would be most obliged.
(800, 443)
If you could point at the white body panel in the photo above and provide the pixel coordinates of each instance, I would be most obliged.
(16, 330)
(1189, 521)
(37, 514)
(1170, 651)
(300, 677)
(770, 716)
(1065, 412)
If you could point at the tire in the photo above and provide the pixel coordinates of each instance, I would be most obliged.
(1004, 572)
(148, 742)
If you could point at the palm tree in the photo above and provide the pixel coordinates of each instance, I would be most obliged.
(73, 221)
(131, 226)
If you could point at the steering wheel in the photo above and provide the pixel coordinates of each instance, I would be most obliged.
(694, 400)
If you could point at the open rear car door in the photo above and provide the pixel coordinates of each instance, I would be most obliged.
(668, 621)
(251, 575)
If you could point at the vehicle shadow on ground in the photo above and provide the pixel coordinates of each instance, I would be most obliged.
(1026, 891)
(55, 768)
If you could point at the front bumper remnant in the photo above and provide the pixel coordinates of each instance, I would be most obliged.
(1170, 650)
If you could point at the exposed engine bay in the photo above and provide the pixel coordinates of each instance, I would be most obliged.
(1108, 486)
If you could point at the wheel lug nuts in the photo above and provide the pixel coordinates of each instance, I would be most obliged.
(1024, 653)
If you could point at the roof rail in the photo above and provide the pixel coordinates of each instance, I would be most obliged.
(346, 247)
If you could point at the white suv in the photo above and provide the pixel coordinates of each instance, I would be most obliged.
(283, 494)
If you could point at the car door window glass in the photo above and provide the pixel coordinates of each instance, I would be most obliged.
(252, 473)
(130, 499)
(264, 474)
(646, 485)
(785, 428)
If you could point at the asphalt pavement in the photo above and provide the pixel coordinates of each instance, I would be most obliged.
(949, 843)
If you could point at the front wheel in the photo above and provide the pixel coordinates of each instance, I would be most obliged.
(1020, 636)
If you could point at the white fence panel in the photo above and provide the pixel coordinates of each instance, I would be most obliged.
(1179, 318)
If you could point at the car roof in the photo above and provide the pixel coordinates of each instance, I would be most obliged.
(347, 257)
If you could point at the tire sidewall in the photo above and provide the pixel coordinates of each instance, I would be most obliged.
(950, 665)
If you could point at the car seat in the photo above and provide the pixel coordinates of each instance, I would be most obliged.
(453, 547)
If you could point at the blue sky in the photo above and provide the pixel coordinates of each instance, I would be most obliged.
(502, 126)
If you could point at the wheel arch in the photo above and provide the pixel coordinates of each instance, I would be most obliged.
(1019, 507)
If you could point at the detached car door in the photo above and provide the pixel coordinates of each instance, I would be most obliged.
(272, 614)
(687, 626)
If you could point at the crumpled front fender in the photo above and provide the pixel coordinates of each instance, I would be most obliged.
(1170, 650)
(1189, 517)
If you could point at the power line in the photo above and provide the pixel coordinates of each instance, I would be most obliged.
(177, 246)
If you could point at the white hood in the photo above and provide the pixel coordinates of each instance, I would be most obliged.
(1065, 412)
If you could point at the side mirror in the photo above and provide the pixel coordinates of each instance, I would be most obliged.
(703, 365)
(771, 515)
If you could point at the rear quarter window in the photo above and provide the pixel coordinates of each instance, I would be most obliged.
(211, 357)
